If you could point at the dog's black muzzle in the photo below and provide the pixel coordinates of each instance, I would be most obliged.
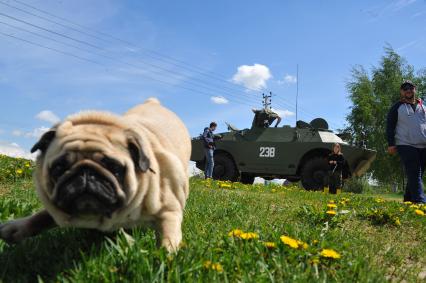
(85, 191)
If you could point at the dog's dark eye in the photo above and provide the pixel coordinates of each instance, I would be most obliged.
(59, 167)
(114, 167)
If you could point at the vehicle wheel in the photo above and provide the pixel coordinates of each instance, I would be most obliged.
(314, 173)
(247, 179)
(224, 168)
(292, 179)
(201, 165)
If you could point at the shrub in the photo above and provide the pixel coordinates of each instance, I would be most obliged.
(356, 185)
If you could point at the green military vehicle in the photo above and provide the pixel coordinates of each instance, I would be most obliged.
(293, 153)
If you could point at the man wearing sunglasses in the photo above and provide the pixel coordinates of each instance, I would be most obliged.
(406, 135)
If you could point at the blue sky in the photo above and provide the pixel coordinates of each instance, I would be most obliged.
(241, 47)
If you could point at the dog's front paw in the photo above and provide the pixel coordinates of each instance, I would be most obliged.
(171, 245)
(14, 231)
(171, 230)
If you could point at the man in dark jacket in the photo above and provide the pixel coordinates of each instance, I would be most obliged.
(336, 169)
(406, 134)
(209, 146)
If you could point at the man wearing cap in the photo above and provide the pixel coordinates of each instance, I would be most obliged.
(209, 146)
(406, 135)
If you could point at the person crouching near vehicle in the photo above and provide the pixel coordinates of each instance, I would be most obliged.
(209, 147)
(406, 134)
(336, 163)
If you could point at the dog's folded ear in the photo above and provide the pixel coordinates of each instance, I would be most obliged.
(44, 142)
(135, 146)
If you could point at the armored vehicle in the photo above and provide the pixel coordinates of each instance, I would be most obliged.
(294, 153)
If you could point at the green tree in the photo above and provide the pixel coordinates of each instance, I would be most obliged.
(372, 96)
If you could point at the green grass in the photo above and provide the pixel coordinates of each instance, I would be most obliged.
(373, 247)
(15, 169)
(387, 196)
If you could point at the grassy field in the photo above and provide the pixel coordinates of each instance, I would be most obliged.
(364, 239)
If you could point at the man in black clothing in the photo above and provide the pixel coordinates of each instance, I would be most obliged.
(208, 138)
(336, 164)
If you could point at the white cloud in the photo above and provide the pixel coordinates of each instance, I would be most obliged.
(219, 100)
(14, 150)
(283, 113)
(48, 116)
(17, 133)
(35, 133)
(288, 79)
(252, 77)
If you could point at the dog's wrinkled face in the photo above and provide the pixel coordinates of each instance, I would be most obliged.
(91, 184)
(89, 171)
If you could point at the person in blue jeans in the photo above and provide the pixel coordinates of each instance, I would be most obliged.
(209, 147)
(406, 135)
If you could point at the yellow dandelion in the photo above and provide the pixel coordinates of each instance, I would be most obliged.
(397, 221)
(419, 212)
(270, 245)
(217, 267)
(273, 190)
(331, 212)
(302, 244)
(27, 165)
(415, 206)
(331, 201)
(315, 242)
(207, 264)
(249, 236)
(401, 209)
(379, 200)
(292, 243)
(19, 171)
(331, 206)
(207, 183)
(225, 186)
(329, 253)
(213, 266)
(235, 233)
(408, 202)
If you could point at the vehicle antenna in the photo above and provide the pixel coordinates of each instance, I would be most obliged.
(267, 101)
(297, 88)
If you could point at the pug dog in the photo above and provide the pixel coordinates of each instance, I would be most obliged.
(103, 171)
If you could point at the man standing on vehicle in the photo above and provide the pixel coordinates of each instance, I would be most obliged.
(209, 147)
(406, 134)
